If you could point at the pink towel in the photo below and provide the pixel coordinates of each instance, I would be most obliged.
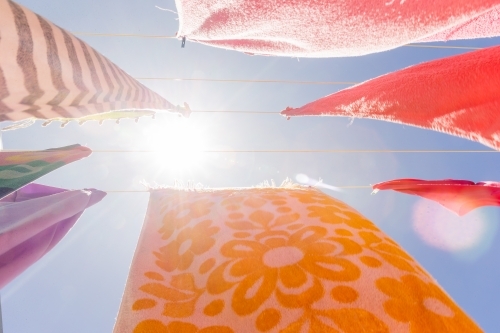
(459, 196)
(458, 95)
(484, 25)
(47, 73)
(332, 28)
(33, 220)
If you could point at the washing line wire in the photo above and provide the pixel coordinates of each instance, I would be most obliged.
(424, 46)
(248, 81)
(103, 34)
(349, 187)
(293, 151)
(100, 34)
(314, 151)
(236, 111)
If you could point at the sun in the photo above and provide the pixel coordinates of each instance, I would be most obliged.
(176, 145)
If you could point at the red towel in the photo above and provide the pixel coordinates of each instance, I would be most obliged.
(459, 196)
(458, 95)
(329, 28)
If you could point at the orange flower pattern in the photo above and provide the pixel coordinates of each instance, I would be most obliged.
(179, 253)
(413, 299)
(275, 260)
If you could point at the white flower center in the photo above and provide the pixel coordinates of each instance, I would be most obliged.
(282, 256)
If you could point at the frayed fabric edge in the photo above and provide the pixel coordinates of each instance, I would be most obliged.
(192, 186)
(115, 115)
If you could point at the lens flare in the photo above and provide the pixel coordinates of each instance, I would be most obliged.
(468, 236)
(177, 145)
(304, 179)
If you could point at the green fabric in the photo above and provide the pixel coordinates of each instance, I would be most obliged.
(19, 168)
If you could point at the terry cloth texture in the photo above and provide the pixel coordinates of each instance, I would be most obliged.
(458, 95)
(459, 196)
(484, 25)
(275, 260)
(33, 220)
(46, 73)
(19, 168)
(332, 28)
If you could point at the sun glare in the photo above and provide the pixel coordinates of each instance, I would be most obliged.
(468, 236)
(178, 145)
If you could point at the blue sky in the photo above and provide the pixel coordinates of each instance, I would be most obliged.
(77, 287)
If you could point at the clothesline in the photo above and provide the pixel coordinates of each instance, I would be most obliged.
(99, 34)
(340, 151)
(248, 80)
(145, 191)
(313, 151)
(235, 111)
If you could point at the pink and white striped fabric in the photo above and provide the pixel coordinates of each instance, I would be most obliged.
(46, 73)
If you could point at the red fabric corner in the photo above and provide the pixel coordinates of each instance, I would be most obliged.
(458, 95)
(459, 196)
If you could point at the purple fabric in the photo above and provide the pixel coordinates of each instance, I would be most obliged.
(33, 220)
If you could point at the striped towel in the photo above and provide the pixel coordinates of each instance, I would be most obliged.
(47, 73)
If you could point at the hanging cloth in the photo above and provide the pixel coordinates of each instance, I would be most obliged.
(19, 168)
(33, 220)
(458, 95)
(332, 28)
(459, 196)
(283, 259)
(47, 73)
(482, 26)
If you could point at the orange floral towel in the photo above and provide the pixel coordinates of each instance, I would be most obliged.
(275, 260)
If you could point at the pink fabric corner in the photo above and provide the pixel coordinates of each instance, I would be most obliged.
(33, 220)
(458, 95)
(459, 196)
(332, 28)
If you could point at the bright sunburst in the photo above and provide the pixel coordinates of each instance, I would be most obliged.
(178, 145)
